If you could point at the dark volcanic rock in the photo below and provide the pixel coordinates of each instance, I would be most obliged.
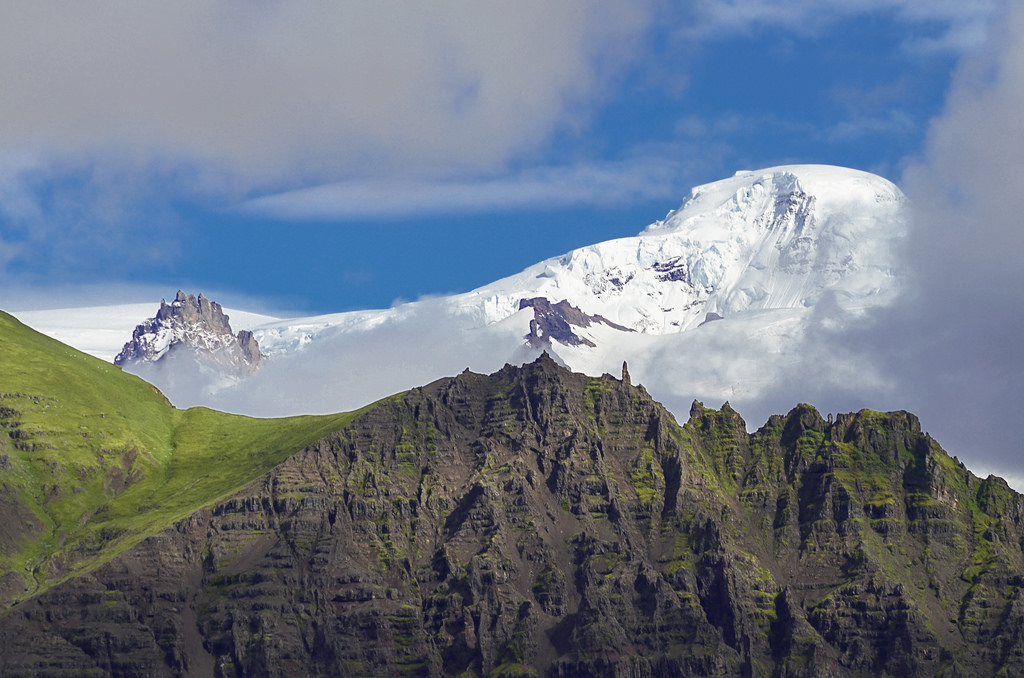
(540, 522)
(555, 321)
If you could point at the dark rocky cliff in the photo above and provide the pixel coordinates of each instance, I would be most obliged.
(540, 522)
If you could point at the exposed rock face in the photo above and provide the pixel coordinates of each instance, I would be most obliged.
(555, 321)
(540, 522)
(198, 327)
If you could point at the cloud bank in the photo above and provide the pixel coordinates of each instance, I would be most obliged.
(955, 344)
(275, 90)
(411, 346)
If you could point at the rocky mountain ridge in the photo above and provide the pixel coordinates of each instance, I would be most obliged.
(555, 322)
(197, 326)
(541, 522)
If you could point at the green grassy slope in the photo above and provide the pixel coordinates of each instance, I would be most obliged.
(92, 459)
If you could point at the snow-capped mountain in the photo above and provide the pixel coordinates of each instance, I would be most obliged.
(771, 256)
(773, 239)
(196, 334)
(777, 238)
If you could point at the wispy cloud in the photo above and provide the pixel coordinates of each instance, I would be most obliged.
(736, 126)
(894, 122)
(65, 222)
(954, 25)
(538, 188)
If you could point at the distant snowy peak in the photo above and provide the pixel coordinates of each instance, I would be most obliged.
(777, 238)
(773, 239)
(197, 326)
(769, 195)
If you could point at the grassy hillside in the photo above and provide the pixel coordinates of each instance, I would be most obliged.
(92, 459)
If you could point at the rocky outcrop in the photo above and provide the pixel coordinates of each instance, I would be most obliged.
(197, 327)
(555, 321)
(541, 522)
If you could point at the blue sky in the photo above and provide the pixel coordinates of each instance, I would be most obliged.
(326, 157)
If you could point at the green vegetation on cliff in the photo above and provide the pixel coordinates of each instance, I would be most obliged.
(92, 459)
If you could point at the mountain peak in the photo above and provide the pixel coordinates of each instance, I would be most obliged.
(197, 326)
(750, 191)
(195, 310)
(777, 238)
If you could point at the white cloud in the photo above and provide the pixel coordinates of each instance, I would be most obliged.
(282, 89)
(952, 348)
(421, 342)
(548, 187)
(959, 25)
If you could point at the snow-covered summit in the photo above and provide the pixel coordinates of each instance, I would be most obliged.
(834, 189)
(776, 238)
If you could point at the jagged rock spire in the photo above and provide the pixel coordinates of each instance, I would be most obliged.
(194, 324)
